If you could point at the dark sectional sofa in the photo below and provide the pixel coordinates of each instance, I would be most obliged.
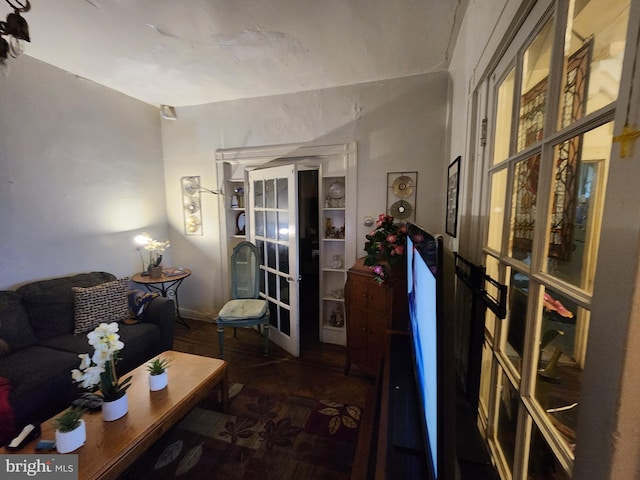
(38, 348)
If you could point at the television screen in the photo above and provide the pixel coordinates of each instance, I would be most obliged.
(424, 265)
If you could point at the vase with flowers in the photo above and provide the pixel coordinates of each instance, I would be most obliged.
(155, 248)
(385, 246)
(98, 372)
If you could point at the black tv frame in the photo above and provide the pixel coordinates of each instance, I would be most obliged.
(430, 247)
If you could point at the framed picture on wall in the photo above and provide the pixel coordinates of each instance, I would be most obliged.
(453, 182)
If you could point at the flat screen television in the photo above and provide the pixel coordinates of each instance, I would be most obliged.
(432, 350)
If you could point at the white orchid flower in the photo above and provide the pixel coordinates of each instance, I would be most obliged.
(106, 343)
(92, 376)
(77, 375)
(84, 361)
(156, 246)
(101, 356)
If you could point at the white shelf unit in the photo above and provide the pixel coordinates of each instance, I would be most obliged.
(333, 258)
(231, 178)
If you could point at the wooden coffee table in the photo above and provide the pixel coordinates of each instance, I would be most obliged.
(112, 446)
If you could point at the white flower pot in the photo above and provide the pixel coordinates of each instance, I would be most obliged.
(114, 410)
(157, 382)
(69, 441)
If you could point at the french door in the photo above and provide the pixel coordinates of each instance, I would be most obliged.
(273, 220)
(550, 124)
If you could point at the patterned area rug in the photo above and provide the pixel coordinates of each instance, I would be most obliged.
(264, 436)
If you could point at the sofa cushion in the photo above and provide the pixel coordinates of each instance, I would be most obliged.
(240, 309)
(49, 303)
(106, 303)
(138, 302)
(69, 342)
(41, 381)
(15, 329)
(141, 341)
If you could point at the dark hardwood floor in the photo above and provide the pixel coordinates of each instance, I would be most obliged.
(318, 372)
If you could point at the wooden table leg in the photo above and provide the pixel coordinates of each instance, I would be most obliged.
(224, 386)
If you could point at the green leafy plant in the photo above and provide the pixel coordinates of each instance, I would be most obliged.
(158, 366)
(69, 420)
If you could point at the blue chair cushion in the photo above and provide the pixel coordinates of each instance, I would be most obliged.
(241, 309)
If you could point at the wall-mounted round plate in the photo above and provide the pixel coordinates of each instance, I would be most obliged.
(240, 223)
(401, 210)
(190, 185)
(403, 186)
(192, 205)
(336, 190)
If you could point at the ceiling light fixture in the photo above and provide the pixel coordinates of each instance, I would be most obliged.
(16, 29)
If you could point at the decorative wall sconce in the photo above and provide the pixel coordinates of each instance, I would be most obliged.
(16, 29)
(192, 206)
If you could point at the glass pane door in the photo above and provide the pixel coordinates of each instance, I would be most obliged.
(273, 218)
(547, 165)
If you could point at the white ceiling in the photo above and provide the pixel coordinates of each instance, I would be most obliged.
(190, 52)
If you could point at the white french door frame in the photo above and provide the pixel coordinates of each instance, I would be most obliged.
(281, 288)
(334, 160)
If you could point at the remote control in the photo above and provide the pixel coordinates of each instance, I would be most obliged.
(27, 434)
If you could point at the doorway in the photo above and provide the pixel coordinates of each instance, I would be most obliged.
(316, 170)
(308, 257)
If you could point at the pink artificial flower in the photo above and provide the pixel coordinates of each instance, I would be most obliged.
(377, 269)
(399, 249)
(392, 238)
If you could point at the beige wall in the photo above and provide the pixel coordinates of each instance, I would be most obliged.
(84, 169)
(80, 174)
(398, 125)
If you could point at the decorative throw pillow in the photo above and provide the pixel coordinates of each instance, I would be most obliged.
(138, 301)
(106, 302)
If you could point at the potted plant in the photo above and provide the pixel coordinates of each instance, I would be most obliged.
(71, 432)
(157, 369)
(99, 371)
(155, 249)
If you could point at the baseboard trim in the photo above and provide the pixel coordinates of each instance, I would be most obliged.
(195, 315)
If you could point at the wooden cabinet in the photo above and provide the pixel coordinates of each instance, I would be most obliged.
(372, 311)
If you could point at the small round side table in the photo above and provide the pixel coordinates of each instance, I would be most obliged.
(167, 285)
